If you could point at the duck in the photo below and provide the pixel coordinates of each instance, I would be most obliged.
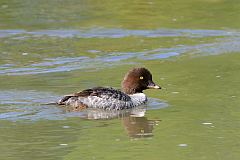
(135, 81)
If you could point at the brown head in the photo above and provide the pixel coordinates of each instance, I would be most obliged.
(137, 80)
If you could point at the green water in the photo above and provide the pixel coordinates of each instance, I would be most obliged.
(52, 48)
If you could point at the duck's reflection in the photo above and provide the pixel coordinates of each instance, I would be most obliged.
(139, 127)
(133, 120)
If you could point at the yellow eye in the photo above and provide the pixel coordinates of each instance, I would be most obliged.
(141, 77)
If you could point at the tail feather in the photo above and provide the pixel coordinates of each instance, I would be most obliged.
(64, 99)
(50, 103)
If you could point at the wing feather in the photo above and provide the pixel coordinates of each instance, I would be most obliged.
(98, 97)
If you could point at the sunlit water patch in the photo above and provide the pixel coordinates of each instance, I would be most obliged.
(31, 105)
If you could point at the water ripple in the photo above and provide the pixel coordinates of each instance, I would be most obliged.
(62, 64)
(226, 42)
(29, 105)
(117, 33)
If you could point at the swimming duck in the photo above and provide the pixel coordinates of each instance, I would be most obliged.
(133, 84)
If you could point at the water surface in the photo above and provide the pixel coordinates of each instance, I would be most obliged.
(52, 48)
